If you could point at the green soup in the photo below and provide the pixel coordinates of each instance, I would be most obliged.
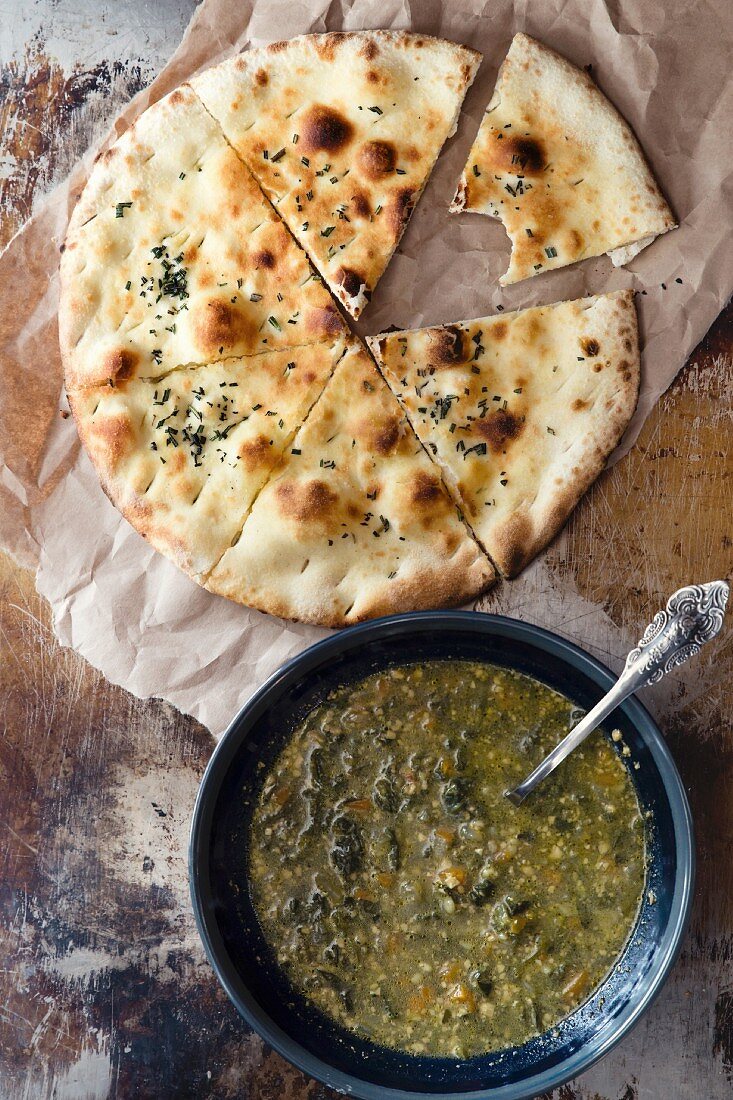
(407, 898)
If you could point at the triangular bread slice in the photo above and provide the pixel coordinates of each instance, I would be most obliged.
(355, 522)
(556, 162)
(342, 130)
(184, 458)
(520, 411)
(173, 256)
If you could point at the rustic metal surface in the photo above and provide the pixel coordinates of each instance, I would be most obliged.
(103, 987)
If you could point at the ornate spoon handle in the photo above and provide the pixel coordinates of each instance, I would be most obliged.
(693, 616)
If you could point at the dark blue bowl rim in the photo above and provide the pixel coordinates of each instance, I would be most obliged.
(498, 626)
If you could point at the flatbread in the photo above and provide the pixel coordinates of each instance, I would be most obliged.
(356, 521)
(521, 411)
(557, 164)
(342, 131)
(184, 458)
(173, 256)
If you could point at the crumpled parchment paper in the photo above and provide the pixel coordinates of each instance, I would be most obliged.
(664, 63)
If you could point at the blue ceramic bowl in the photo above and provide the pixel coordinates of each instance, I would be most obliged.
(244, 962)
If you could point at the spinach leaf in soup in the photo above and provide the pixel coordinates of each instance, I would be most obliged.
(406, 897)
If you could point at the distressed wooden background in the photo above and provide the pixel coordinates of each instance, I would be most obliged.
(104, 990)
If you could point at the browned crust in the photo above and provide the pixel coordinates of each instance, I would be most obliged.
(468, 576)
(328, 43)
(523, 536)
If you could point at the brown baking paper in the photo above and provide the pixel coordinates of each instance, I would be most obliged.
(664, 63)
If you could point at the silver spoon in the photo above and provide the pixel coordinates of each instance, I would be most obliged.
(693, 616)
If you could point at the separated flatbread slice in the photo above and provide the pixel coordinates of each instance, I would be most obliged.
(556, 162)
(184, 458)
(355, 522)
(520, 411)
(342, 131)
(173, 256)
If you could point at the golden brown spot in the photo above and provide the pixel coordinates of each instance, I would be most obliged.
(119, 365)
(518, 155)
(219, 325)
(499, 330)
(361, 204)
(372, 77)
(305, 502)
(499, 428)
(277, 47)
(177, 464)
(264, 258)
(253, 451)
(590, 347)
(115, 436)
(579, 404)
(377, 159)
(326, 320)
(627, 344)
(370, 49)
(177, 97)
(326, 44)
(261, 77)
(350, 280)
(426, 489)
(399, 211)
(624, 369)
(446, 346)
(323, 128)
(385, 438)
(576, 240)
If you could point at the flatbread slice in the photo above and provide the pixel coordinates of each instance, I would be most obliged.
(173, 256)
(342, 131)
(520, 411)
(184, 458)
(556, 162)
(355, 522)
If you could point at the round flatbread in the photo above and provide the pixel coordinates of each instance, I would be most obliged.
(556, 162)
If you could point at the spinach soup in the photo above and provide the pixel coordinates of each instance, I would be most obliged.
(406, 897)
